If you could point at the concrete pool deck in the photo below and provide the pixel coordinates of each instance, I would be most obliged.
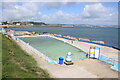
(88, 68)
(105, 51)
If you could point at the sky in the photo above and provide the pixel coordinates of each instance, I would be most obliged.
(97, 13)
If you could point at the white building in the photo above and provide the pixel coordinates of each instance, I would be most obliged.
(18, 24)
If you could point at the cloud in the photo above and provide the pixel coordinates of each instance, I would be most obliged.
(32, 11)
(95, 11)
(0, 11)
(57, 17)
(22, 11)
(59, 4)
(50, 0)
(54, 4)
(92, 14)
(59, 1)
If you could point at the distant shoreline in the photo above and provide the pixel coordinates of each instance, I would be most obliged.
(5, 26)
(61, 25)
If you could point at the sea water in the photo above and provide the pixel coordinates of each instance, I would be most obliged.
(107, 34)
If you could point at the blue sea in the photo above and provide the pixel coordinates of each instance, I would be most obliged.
(107, 34)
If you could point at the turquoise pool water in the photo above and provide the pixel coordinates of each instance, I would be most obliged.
(54, 48)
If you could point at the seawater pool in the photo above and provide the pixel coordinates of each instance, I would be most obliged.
(54, 48)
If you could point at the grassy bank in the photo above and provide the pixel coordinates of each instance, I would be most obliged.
(0, 57)
(17, 63)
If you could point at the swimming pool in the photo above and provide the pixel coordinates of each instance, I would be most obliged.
(54, 48)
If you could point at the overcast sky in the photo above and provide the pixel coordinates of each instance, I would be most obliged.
(103, 13)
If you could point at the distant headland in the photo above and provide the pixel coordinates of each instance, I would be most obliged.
(43, 24)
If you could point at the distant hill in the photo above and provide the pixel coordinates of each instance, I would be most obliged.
(38, 23)
(23, 23)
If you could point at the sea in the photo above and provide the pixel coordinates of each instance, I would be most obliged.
(107, 34)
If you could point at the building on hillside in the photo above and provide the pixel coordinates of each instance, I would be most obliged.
(18, 24)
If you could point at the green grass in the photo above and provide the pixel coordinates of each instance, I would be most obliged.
(0, 56)
(16, 63)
